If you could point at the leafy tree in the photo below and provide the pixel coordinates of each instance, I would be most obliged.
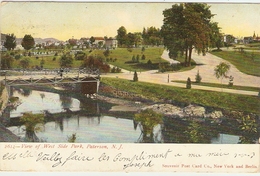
(197, 134)
(130, 39)
(100, 44)
(198, 78)
(148, 119)
(186, 26)
(135, 79)
(10, 42)
(97, 63)
(137, 39)
(92, 40)
(30, 122)
(188, 84)
(216, 37)
(72, 42)
(28, 42)
(151, 36)
(6, 61)
(66, 60)
(121, 36)
(221, 70)
(248, 126)
(25, 63)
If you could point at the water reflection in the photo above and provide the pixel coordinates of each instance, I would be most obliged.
(65, 116)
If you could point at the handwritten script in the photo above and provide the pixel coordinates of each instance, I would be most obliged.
(125, 158)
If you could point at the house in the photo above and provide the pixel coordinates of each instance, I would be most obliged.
(248, 40)
(99, 40)
(3, 38)
(111, 43)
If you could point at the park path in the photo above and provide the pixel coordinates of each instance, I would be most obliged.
(206, 65)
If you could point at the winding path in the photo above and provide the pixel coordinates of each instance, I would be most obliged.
(206, 65)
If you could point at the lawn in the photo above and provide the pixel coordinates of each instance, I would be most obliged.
(247, 88)
(158, 92)
(49, 63)
(122, 55)
(247, 62)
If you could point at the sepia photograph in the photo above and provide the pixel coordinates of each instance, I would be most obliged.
(171, 81)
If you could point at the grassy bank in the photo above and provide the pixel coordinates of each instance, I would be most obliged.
(246, 62)
(186, 96)
(223, 86)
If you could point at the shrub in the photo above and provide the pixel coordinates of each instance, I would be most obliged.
(149, 62)
(18, 56)
(188, 84)
(198, 78)
(133, 58)
(72, 138)
(135, 79)
(54, 59)
(143, 57)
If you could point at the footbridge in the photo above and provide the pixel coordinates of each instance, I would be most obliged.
(18, 77)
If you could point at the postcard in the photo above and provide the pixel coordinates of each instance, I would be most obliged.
(129, 87)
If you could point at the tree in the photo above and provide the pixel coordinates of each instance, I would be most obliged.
(186, 26)
(28, 42)
(121, 36)
(25, 63)
(148, 119)
(92, 40)
(72, 42)
(221, 70)
(135, 79)
(188, 84)
(6, 61)
(30, 122)
(10, 42)
(198, 78)
(130, 40)
(216, 37)
(97, 63)
(66, 60)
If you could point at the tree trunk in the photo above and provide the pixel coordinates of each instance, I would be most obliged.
(186, 57)
(190, 51)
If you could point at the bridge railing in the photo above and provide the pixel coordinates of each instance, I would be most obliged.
(89, 71)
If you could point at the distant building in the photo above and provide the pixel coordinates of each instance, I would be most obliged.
(248, 40)
(229, 39)
(3, 38)
(111, 43)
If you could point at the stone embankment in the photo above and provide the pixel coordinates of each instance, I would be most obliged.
(195, 112)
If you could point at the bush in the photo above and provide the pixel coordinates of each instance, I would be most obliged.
(143, 57)
(54, 59)
(188, 84)
(198, 78)
(133, 58)
(17, 57)
(149, 62)
(135, 79)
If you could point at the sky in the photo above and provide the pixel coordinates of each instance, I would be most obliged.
(64, 20)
